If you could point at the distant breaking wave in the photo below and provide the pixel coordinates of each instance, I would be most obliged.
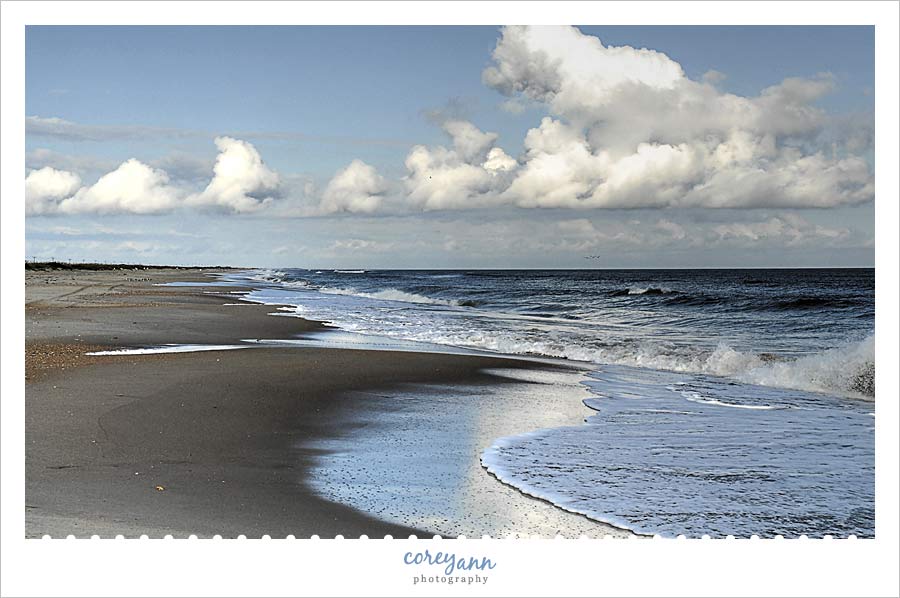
(268, 275)
(391, 295)
(847, 369)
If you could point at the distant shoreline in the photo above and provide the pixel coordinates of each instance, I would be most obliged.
(99, 267)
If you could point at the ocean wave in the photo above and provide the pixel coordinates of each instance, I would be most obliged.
(297, 284)
(268, 275)
(642, 291)
(846, 371)
(761, 461)
(391, 294)
(349, 271)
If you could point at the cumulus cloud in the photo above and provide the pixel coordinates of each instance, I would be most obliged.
(630, 129)
(133, 187)
(44, 188)
(471, 174)
(498, 161)
(241, 181)
(624, 128)
(356, 188)
(470, 142)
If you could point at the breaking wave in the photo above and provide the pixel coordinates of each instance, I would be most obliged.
(660, 326)
(848, 370)
(392, 295)
(642, 291)
(268, 275)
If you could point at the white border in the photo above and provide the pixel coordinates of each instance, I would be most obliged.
(546, 567)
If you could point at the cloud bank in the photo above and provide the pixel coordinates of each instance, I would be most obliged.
(241, 183)
(622, 128)
(628, 129)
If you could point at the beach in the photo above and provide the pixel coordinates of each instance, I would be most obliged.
(216, 441)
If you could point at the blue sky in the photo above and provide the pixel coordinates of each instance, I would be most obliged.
(311, 100)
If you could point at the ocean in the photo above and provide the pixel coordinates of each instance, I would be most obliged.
(719, 402)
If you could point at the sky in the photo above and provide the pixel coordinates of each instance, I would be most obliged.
(451, 147)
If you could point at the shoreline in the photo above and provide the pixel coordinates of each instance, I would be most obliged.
(198, 443)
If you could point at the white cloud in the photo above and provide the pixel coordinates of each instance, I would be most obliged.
(470, 142)
(467, 176)
(559, 168)
(44, 188)
(133, 187)
(498, 161)
(356, 188)
(631, 130)
(626, 128)
(241, 181)
(438, 179)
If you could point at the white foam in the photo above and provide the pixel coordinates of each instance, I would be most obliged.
(644, 290)
(843, 368)
(842, 371)
(698, 398)
(168, 349)
(389, 295)
(833, 371)
(537, 376)
(268, 275)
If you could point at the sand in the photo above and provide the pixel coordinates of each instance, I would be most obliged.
(198, 443)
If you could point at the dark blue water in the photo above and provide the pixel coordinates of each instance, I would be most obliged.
(727, 401)
(751, 324)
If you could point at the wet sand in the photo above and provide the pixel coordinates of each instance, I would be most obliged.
(193, 443)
